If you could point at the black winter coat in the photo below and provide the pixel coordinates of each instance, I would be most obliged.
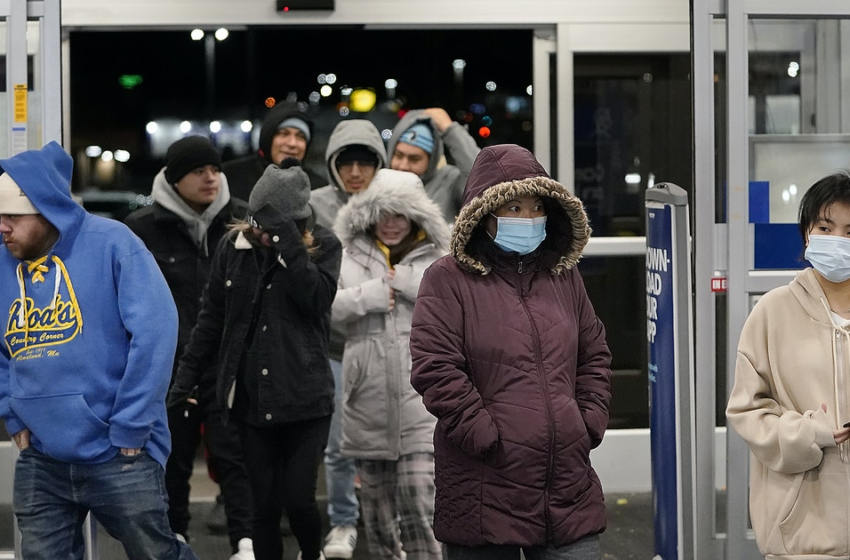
(269, 325)
(186, 266)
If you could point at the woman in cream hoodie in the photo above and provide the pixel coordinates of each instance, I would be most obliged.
(791, 396)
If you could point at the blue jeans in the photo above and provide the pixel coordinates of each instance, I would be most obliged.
(343, 507)
(125, 494)
(587, 548)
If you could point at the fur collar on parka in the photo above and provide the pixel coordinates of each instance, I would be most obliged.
(392, 192)
(505, 172)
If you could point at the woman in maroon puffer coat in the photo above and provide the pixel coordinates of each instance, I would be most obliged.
(510, 357)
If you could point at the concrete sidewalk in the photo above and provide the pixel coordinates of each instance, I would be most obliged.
(629, 535)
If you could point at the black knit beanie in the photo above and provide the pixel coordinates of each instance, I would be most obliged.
(188, 154)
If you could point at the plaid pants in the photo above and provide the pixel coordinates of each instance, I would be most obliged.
(397, 502)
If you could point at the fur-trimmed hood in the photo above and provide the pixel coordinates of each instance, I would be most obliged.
(505, 172)
(392, 192)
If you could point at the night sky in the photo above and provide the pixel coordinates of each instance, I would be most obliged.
(253, 64)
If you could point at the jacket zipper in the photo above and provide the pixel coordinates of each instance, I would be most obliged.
(842, 388)
(842, 399)
(543, 389)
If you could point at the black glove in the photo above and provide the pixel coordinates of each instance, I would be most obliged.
(179, 397)
(280, 227)
(271, 219)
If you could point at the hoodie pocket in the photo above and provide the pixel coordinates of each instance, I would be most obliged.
(63, 426)
(817, 521)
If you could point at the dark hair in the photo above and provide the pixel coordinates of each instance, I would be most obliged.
(824, 193)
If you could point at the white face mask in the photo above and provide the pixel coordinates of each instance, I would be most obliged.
(830, 256)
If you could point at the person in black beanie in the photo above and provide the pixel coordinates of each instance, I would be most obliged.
(286, 132)
(264, 324)
(190, 214)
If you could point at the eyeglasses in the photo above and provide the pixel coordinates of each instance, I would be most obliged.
(349, 165)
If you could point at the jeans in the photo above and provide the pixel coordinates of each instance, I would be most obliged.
(343, 507)
(125, 494)
(587, 548)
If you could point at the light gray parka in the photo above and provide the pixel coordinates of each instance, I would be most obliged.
(383, 416)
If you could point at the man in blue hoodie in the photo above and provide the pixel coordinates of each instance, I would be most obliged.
(84, 369)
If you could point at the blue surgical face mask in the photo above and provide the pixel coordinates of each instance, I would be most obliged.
(830, 256)
(520, 235)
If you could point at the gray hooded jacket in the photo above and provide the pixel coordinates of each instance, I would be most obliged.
(444, 183)
(326, 201)
(383, 416)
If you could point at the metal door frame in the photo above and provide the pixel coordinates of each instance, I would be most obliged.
(716, 243)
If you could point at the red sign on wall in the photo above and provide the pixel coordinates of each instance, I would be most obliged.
(718, 284)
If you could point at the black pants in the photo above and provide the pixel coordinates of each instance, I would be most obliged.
(226, 461)
(283, 465)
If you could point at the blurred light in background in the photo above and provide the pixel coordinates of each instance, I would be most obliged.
(93, 151)
(633, 178)
(363, 100)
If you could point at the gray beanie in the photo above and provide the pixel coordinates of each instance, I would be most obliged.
(287, 189)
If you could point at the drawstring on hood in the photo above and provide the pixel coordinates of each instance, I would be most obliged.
(809, 293)
(44, 176)
(37, 269)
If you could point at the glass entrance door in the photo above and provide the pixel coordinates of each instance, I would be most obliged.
(30, 116)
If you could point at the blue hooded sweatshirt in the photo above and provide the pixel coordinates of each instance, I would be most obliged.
(91, 329)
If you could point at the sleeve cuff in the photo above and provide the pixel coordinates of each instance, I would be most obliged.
(129, 438)
(403, 274)
(823, 429)
(14, 425)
